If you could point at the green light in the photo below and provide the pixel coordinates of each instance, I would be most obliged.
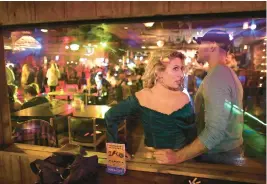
(104, 44)
(238, 110)
(250, 115)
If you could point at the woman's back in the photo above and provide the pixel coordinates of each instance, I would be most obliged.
(165, 126)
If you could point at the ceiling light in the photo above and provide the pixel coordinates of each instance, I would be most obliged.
(125, 27)
(160, 43)
(67, 47)
(74, 47)
(245, 47)
(253, 26)
(149, 24)
(143, 47)
(44, 30)
(231, 37)
(245, 25)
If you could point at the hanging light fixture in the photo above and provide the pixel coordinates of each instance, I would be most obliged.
(160, 43)
(149, 24)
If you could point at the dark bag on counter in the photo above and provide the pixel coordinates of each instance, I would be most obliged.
(66, 169)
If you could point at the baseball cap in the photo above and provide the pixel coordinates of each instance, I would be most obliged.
(219, 36)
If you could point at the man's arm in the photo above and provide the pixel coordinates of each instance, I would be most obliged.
(193, 150)
(216, 116)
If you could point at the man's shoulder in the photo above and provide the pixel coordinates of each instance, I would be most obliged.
(222, 73)
(221, 69)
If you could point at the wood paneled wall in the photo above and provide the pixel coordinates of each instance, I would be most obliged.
(36, 12)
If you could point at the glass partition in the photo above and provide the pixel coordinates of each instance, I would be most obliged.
(80, 71)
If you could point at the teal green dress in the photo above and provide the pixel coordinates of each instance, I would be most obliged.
(161, 131)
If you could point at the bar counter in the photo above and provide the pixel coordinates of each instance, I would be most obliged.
(14, 168)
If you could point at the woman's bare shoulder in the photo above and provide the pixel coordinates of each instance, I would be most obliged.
(143, 95)
(184, 97)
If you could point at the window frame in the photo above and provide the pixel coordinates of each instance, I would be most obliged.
(5, 123)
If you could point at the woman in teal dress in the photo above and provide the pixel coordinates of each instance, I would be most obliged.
(165, 110)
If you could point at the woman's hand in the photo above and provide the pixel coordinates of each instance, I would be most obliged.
(166, 156)
(128, 156)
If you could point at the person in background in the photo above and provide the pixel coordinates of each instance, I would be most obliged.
(31, 96)
(27, 76)
(82, 81)
(220, 131)
(166, 112)
(10, 77)
(52, 75)
(14, 103)
(102, 89)
(122, 80)
(40, 79)
(231, 61)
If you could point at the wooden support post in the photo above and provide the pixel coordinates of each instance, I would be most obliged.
(5, 124)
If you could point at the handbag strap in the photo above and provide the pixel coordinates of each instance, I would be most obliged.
(36, 170)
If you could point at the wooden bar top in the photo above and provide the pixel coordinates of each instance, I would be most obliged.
(249, 173)
(92, 111)
(44, 110)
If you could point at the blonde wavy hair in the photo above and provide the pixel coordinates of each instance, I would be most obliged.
(158, 64)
